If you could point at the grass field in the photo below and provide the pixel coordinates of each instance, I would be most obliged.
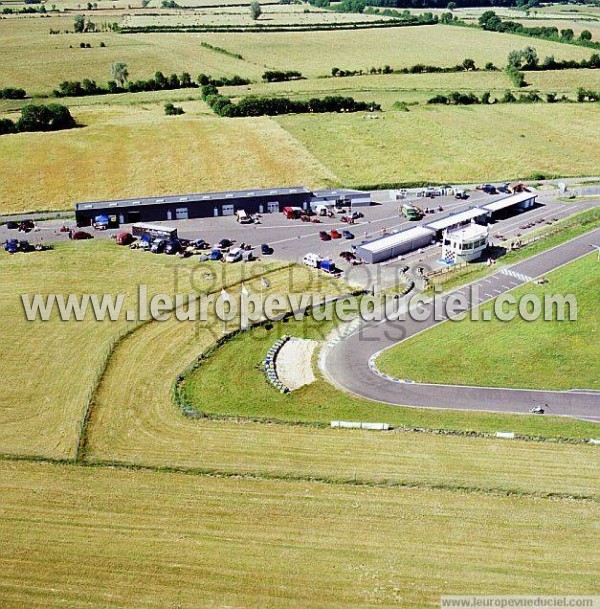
(41, 412)
(132, 152)
(546, 354)
(240, 16)
(452, 144)
(37, 61)
(74, 537)
(127, 150)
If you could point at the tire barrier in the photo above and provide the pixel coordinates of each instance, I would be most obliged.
(270, 365)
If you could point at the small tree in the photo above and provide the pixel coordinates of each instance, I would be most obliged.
(586, 35)
(171, 110)
(451, 6)
(79, 24)
(120, 72)
(567, 34)
(469, 64)
(255, 10)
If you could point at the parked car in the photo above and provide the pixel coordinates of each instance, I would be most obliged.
(324, 236)
(158, 246)
(355, 215)
(81, 234)
(12, 225)
(347, 234)
(335, 234)
(203, 257)
(12, 246)
(234, 255)
(348, 256)
(200, 244)
(216, 254)
(124, 238)
(313, 260)
(25, 246)
(173, 247)
(26, 226)
(224, 244)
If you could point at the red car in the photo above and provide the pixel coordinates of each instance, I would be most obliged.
(324, 236)
(335, 234)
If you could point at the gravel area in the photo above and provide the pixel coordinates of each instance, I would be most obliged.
(294, 363)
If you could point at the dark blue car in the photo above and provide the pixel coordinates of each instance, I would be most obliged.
(12, 246)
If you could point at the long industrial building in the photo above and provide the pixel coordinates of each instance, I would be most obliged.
(203, 205)
(403, 242)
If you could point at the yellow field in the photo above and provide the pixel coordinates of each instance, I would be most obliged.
(315, 53)
(74, 537)
(240, 16)
(37, 61)
(139, 151)
(453, 144)
(48, 368)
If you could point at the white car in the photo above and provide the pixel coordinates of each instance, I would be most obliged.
(235, 255)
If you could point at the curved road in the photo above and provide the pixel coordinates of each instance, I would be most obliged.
(349, 361)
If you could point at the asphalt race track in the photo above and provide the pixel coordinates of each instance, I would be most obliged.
(349, 362)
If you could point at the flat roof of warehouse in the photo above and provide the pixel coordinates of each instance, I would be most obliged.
(458, 218)
(509, 201)
(338, 192)
(395, 239)
(194, 198)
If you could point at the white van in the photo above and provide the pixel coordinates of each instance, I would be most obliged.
(234, 255)
(242, 217)
(321, 210)
(313, 260)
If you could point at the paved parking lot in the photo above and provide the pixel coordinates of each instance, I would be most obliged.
(292, 239)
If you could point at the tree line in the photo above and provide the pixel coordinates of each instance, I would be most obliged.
(272, 106)
(160, 82)
(458, 98)
(490, 21)
(51, 117)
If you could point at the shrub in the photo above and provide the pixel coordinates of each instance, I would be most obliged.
(171, 110)
(12, 93)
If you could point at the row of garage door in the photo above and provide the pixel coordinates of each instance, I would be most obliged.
(181, 213)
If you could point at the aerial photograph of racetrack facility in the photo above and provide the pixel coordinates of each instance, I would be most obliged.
(300, 304)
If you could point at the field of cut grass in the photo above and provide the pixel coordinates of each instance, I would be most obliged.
(74, 536)
(37, 61)
(536, 354)
(213, 390)
(315, 53)
(127, 151)
(49, 367)
(135, 421)
(240, 16)
(389, 88)
(453, 144)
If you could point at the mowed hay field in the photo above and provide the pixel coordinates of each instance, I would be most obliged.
(74, 537)
(129, 152)
(38, 61)
(48, 368)
(520, 353)
(453, 144)
(315, 53)
(135, 421)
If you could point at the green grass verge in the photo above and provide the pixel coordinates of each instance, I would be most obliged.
(230, 383)
(534, 354)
